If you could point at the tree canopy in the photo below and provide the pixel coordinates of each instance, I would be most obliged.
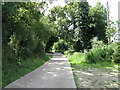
(27, 30)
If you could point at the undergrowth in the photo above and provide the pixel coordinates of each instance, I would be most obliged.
(12, 71)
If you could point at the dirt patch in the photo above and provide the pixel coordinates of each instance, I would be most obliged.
(96, 78)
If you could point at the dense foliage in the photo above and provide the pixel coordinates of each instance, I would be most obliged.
(25, 30)
(99, 21)
(101, 52)
(60, 46)
(75, 27)
(100, 55)
(25, 33)
(116, 54)
(77, 24)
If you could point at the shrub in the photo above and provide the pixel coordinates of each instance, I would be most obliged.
(69, 52)
(60, 46)
(116, 54)
(8, 54)
(96, 43)
(106, 53)
(39, 49)
(101, 54)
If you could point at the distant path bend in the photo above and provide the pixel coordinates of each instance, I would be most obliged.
(56, 73)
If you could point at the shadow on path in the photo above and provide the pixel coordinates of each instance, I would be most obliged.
(56, 73)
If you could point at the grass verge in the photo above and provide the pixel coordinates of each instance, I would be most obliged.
(78, 59)
(12, 71)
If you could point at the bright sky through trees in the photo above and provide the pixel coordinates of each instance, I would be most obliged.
(113, 5)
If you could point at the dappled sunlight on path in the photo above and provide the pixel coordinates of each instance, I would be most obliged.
(56, 73)
(97, 78)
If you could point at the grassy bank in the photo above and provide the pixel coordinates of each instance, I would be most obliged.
(78, 59)
(12, 71)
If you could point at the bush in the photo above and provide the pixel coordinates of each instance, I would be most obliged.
(39, 49)
(102, 54)
(60, 46)
(96, 43)
(69, 52)
(116, 54)
(8, 54)
(50, 43)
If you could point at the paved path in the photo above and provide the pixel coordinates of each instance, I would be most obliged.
(56, 73)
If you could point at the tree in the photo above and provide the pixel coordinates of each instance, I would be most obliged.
(60, 21)
(82, 31)
(25, 29)
(99, 21)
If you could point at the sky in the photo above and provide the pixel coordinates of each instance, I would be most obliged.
(113, 6)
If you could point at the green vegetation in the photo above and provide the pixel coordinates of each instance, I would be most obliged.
(98, 23)
(102, 54)
(24, 29)
(86, 23)
(78, 59)
(94, 59)
(13, 71)
(28, 33)
(25, 33)
(60, 46)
